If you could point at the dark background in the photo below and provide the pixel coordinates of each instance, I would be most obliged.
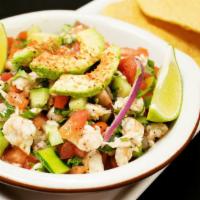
(181, 180)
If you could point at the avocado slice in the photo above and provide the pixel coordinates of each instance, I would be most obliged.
(25, 56)
(92, 83)
(51, 66)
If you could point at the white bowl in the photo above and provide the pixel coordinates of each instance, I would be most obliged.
(158, 156)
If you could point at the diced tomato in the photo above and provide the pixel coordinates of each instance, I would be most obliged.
(78, 170)
(60, 101)
(22, 35)
(14, 48)
(15, 155)
(106, 160)
(102, 125)
(113, 162)
(79, 152)
(128, 67)
(10, 42)
(18, 100)
(30, 160)
(156, 70)
(73, 128)
(68, 150)
(143, 85)
(39, 121)
(13, 88)
(149, 94)
(6, 76)
(147, 75)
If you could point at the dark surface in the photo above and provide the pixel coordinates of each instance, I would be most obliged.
(181, 180)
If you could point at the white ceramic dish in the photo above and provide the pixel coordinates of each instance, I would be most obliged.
(157, 157)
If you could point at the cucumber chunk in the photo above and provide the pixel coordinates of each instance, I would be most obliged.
(39, 97)
(77, 104)
(121, 86)
(51, 129)
(3, 143)
(51, 161)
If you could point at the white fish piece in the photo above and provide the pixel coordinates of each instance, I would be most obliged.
(155, 131)
(123, 155)
(53, 116)
(21, 83)
(91, 138)
(133, 129)
(137, 105)
(95, 162)
(19, 132)
(96, 111)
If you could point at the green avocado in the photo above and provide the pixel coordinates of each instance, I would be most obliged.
(25, 56)
(51, 66)
(92, 83)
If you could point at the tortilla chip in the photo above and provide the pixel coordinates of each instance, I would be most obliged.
(128, 10)
(185, 13)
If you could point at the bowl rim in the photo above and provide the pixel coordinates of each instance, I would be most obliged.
(109, 187)
(112, 185)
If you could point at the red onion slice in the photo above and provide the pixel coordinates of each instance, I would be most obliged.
(118, 119)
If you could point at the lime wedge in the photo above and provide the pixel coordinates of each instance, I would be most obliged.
(3, 47)
(167, 97)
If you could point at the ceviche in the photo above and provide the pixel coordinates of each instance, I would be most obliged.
(72, 102)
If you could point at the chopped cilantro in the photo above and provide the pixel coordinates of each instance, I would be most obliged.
(74, 161)
(106, 149)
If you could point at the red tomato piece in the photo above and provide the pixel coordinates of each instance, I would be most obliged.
(66, 150)
(102, 125)
(6, 76)
(79, 152)
(128, 67)
(10, 42)
(15, 155)
(30, 160)
(143, 85)
(156, 70)
(73, 128)
(22, 35)
(113, 163)
(60, 101)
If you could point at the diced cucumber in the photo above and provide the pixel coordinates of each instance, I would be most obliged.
(20, 74)
(51, 161)
(77, 104)
(39, 97)
(121, 86)
(51, 129)
(31, 113)
(3, 143)
(5, 113)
